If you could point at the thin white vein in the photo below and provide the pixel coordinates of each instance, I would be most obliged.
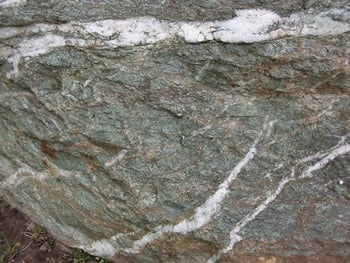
(26, 173)
(321, 154)
(205, 212)
(18, 176)
(211, 207)
(262, 206)
(324, 161)
(116, 159)
(327, 157)
(279, 166)
(234, 233)
(202, 130)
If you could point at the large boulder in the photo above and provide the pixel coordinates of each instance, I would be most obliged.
(200, 131)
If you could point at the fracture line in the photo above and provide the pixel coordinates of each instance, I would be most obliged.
(323, 162)
(210, 208)
(329, 156)
(234, 237)
(321, 154)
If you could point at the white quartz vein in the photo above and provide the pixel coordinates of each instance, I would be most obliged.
(12, 3)
(234, 233)
(205, 213)
(329, 156)
(26, 173)
(325, 160)
(248, 26)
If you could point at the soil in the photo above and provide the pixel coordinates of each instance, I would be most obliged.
(22, 241)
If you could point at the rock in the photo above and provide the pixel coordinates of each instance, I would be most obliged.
(194, 132)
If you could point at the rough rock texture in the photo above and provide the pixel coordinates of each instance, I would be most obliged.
(156, 139)
(55, 11)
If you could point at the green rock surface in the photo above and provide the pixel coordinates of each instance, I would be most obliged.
(176, 151)
(56, 11)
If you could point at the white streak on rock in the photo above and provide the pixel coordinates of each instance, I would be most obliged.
(321, 154)
(331, 154)
(26, 173)
(12, 3)
(328, 158)
(247, 27)
(37, 46)
(15, 72)
(148, 238)
(319, 24)
(102, 248)
(202, 130)
(116, 159)
(8, 32)
(209, 209)
(195, 32)
(87, 82)
(234, 237)
(261, 207)
(18, 176)
(130, 32)
(268, 175)
(32, 48)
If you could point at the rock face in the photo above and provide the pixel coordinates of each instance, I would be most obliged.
(201, 131)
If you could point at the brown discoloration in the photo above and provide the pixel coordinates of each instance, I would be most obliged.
(91, 164)
(106, 146)
(51, 169)
(45, 163)
(47, 150)
(183, 247)
(73, 205)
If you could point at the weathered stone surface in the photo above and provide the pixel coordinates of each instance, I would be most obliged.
(54, 11)
(161, 140)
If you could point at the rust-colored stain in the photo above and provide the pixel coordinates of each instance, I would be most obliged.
(47, 150)
(45, 163)
(51, 169)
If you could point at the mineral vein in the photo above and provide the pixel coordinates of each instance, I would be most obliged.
(248, 26)
(330, 156)
(210, 208)
(205, 213)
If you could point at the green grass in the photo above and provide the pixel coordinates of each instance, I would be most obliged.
(81, 257)
(8, 249)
